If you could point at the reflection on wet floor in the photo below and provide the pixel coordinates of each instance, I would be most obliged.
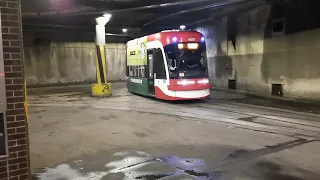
(130, 165)
(136, 165)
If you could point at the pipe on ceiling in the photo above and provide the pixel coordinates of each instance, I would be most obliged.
(101, 11)
(56, 26)
(214, 5)
(178, 3)
(76, 27)
(79, 32)
(70, 11)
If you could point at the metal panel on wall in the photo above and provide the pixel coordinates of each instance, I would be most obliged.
(3, 147)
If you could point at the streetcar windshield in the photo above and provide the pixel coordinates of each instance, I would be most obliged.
(186, 60)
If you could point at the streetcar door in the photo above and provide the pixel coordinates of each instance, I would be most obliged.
(150, 73)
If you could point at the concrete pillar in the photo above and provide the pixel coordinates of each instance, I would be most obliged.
(14, 160)
(102, 87)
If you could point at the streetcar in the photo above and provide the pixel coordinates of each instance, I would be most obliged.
(169, 65)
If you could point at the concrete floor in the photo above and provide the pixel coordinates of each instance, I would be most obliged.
(76, 137)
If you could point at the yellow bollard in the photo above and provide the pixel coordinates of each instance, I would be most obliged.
(102, 90)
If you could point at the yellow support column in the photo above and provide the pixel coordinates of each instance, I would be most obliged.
(26, 100)
(102, 88)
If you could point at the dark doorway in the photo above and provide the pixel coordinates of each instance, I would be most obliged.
(150, 73)
(232, 84)
(277, 90)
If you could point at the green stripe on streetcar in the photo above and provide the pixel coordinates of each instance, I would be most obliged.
(138, 85)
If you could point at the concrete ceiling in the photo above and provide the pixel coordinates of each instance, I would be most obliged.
(135, 15)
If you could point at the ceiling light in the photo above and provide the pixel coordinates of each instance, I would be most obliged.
(107, 16)
(182, 27)
(124, 30)
(103, 20)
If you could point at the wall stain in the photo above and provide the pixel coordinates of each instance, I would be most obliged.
(139, 134)
(223, 63)
(39, 111)
(107, 118)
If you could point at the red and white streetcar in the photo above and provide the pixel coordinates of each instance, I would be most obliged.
(169, 65)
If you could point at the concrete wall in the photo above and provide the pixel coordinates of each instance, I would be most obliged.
(255, 59)
(70, 62)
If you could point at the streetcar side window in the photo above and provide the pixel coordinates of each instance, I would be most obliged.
(130, 70)
(159, 67)
(137, 71)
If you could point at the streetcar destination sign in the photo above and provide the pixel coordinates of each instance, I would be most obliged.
(139, 81)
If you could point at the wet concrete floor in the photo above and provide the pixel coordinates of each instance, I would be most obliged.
(74, 136)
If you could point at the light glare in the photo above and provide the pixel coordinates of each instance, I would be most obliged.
(174, 39)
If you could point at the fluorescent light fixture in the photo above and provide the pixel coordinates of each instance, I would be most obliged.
(103, 20)
(107, 16)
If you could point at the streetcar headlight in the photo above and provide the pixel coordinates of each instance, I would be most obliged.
(193, 45)
(185, 82)
(180, 46)
(204, 81)
(182, 82)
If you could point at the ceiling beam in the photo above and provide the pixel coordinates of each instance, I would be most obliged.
(210, 6)
(237, 8)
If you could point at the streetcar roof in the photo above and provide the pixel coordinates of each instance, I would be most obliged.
(172, 36)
